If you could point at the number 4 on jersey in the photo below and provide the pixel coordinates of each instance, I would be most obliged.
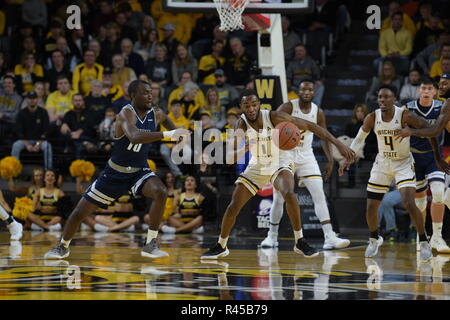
(135, 147)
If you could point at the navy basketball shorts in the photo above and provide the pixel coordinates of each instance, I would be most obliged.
(112, 184)
(426, 170)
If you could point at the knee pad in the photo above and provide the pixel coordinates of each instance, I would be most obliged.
(437, 191)
(421, 203)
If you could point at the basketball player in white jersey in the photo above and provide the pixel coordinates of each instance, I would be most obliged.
(394, 161)
(307, 170)
(268, 163)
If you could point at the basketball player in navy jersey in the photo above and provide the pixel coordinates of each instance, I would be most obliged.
(429, 167)
(267, 163)
(127, 169)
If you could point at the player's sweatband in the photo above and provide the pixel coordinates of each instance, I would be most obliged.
(358, 142)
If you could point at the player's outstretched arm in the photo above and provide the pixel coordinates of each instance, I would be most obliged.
(127, 122)
(326, 147)
(431, 131)
(278, 117)
(358, 142)
(163, 119)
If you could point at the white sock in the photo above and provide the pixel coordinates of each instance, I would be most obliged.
(3, 214)
(298, 235)
(65, 243)
(223, 241)
(151, 234)
(328, 230)
(437, 229)
(276, 212)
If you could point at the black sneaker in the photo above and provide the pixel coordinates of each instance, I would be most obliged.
(215, 252)
(59, 252)
(152, 250)
(303, 248)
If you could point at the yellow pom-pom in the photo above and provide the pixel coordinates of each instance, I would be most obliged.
(22, 207)
(152, 165)
(83, 169)
(10, 167)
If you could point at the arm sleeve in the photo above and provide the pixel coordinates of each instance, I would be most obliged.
(358, 142)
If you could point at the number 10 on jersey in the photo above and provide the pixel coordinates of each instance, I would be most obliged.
(134, 147)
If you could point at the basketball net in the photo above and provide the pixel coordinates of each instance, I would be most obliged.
(230, 13)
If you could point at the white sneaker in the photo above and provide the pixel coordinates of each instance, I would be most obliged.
(335, 242)
(16, 230)
(166, 229)
(270, 241)
(100, 228)
(438, 243)
(199, 230)
(55, 227)
(372, 248)
(84, 227)
(35, 227)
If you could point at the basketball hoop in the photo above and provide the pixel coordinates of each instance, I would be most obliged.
(230, 13)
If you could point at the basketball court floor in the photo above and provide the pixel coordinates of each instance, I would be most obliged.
(109, 267)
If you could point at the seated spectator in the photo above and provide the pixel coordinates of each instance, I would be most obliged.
(125, 99)
(228, 94)
(78, 41)
(432, 53)
(10, 103)
(77, 127)
(28, 72)
(159, 68)
(172, 192)
(437, 67)
(46, 216)
(121, 73)
(96, 102)
(290, 39)
(39, 88)
(106, 131)
(394, 7)
(428, 33)
(35, 13)
(201, 33)
(94, 45)
(111, 44)
(180, 121)
(387, 75)
(132, 59)
(213, 106)
(122, 217)
(109, 90)
(70, 59)
(303, 67)
(56, 31)
(147, 26)
(190, 105)
(209, 63)
(410, 90)
(60, 101)
(125, 31)
(169, 39)
(395, 44)
(147, 45)
(177, 94)
(188, 213)
(158, 96)
(85, 72)
(232, 117)
(182, 62)
(58, 68)
(104, 15)
(238, 66)
(32, 125)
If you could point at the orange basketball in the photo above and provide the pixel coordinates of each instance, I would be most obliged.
(287, 137)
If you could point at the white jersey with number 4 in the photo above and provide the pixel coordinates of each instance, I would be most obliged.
(388, 146)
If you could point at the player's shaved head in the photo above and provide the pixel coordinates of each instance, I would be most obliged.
(250, 104)
(140, 93)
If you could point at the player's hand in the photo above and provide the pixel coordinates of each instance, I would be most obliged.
(328, 170)
(443, 165)
(343, 167)
(346, 152)
(404, 133)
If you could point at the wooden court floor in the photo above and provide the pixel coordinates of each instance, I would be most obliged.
(109, 267)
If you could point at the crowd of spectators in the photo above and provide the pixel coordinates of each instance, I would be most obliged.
(414, 42)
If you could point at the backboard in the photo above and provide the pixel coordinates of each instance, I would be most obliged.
(264, 6)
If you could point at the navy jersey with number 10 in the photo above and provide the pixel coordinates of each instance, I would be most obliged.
(430, 115)
(127, 154)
